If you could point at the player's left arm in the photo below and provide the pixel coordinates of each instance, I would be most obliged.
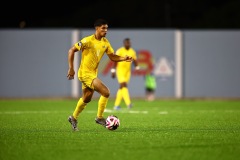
(135, 62)
(117, 58)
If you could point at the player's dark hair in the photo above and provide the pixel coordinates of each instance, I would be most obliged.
(126, 39)
(99, 22)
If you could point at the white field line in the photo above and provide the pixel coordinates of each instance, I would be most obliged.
(198, 111)
(163, 112)
(57, 112)
(121, 111)
(32, 112)
(125, 111)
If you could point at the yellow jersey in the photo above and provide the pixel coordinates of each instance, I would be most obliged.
(125, 66)
(92, 52)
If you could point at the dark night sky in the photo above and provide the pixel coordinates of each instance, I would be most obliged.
(206, 14)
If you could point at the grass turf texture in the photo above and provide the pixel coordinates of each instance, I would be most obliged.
(163, 129)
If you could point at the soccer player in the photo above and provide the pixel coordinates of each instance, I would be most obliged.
(150, 86)
(123, 72)
(93, 48)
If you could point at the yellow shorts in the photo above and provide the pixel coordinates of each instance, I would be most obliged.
(123, 76)
(87, 80)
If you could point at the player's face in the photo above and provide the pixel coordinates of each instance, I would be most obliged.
(102, 30)
(127, 44)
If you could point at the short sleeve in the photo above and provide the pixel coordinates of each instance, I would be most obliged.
(134, 54)
(109, 49)
(81, 44)
(118, 52)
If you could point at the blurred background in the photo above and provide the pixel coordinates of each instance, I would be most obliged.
(192, 47)
(160, 14)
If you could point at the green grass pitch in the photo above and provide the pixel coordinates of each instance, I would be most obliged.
(159, 130)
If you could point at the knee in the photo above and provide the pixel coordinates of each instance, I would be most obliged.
(86, 99)
(123, 85)
(106, 93)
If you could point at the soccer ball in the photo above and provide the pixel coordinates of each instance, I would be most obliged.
(112, 122)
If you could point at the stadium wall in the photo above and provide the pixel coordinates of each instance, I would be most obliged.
(211, 63)
(33, 63)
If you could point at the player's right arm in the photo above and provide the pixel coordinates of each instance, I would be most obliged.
(71, 53)
(75, 48)
(113, 70)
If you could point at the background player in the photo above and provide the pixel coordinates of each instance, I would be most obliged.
(150, 85)
(93, 48)
(123, 72)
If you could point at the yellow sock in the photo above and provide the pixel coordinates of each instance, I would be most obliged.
(118, 97)
(126, 96)
(102, 103)
(80, 106)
